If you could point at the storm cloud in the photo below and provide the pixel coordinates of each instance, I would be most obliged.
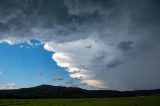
(110, 44)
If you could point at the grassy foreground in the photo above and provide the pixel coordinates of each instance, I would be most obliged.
(130, 101)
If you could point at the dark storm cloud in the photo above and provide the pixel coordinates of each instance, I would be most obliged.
(113, 64)
(145, 21)
(88, 46)
(101, 56)
(20, 17)
(125, 45)
(62, 20)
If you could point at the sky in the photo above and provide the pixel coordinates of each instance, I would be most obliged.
(28, 65)
(92, 44)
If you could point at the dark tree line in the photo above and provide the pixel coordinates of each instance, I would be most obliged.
(48, 91)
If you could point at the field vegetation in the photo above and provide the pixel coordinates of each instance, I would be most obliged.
(124, 101)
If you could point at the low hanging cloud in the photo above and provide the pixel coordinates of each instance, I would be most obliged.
(110, 44)
(58, 79)
(8, 86)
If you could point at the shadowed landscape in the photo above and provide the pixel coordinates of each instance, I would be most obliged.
(48, 91)
(129, 101)
(47, 95)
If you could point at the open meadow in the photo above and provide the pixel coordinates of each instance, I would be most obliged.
(129, 101)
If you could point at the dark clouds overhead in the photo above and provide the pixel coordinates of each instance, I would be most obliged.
(125, 45)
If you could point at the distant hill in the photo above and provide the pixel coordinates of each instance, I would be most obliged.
(48, 91)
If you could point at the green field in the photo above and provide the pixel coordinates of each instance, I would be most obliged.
(130, 101)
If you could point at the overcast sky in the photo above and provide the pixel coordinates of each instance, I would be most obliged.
(107, 44)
